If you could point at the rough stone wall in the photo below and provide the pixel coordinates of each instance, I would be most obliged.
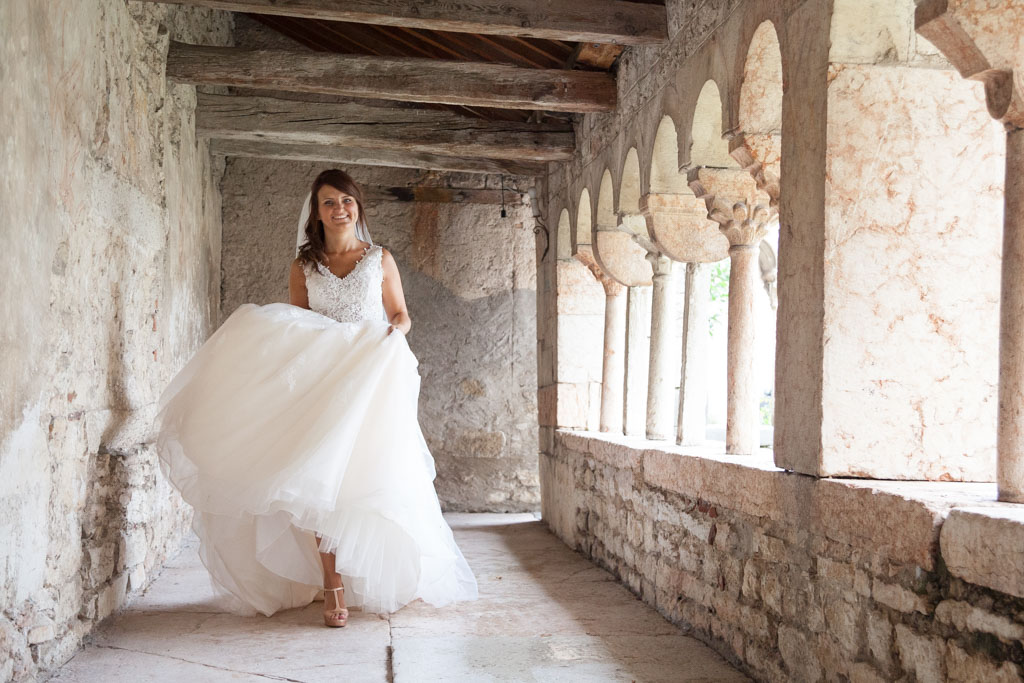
(792, 578)
(469, 279)
(109, 261)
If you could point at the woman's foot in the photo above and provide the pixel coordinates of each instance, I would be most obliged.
(338, 616)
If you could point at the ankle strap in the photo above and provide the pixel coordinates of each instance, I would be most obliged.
(339, 588)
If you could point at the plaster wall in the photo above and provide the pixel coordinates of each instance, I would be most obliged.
(470, 283)
(110, 254)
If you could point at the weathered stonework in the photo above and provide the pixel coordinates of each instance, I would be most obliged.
(885, 332)
(469, 278)
(111, 245)
(789, 577)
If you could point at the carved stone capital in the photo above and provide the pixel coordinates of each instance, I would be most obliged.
(758, 157)
(744, 222)
(742, 225)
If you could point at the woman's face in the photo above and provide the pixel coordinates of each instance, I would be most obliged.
(338, 210)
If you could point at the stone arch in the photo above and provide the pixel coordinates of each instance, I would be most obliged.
(629, 183)
(615, 250)
(563, 241)
(708, 147)
(584, 225)
(629, 194)
(605, 218)
(758, 145)
(665, 176)
(761, 89)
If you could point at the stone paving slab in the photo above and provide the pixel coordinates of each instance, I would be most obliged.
(544, 614)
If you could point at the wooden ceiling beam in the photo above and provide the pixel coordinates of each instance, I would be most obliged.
(389, 78)
(596, 21)
(358, 125)
(374, 157)
(440, 195)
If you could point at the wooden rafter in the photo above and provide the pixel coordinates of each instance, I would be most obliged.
(353, 124)
(597, 21)
(374, 157)
(412, 80)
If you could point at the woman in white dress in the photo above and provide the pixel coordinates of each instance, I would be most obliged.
(293, 433)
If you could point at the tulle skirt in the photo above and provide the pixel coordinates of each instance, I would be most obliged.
(288, 425)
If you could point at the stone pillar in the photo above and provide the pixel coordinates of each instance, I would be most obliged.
(1010, 439)
(660, 401)
(638, 347)
(693, 398)
(983, 43)
(613, 374)
(744, 227)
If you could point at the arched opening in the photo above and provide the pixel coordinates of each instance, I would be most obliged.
(758, 149)
(665, 175)
(584, 224)
(563, 241)
(629, 195)
(606, 219)
(707, 146)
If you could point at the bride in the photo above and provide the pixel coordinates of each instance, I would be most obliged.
(293, 433)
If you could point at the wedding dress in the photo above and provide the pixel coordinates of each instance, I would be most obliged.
(291, 422)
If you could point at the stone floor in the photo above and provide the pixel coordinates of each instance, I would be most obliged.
(544, 614)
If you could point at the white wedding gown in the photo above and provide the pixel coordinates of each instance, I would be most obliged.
(290, 422)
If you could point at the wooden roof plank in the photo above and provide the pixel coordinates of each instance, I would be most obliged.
(402, 79)
(374, 157)
(598, 21)
(357, 125)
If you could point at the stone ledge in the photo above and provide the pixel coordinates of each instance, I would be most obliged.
(985, 546)
(900, 520)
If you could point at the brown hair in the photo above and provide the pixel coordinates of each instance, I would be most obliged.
(312, 250)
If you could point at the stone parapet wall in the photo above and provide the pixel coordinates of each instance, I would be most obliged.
(110, 229)
(794, 578)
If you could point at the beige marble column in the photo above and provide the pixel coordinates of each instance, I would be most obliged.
(1010, 439)
(661, 376)
(638, 347)
(744, 227)
(693, 398)
(613, 373)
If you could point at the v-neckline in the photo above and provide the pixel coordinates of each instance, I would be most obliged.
(366, 252)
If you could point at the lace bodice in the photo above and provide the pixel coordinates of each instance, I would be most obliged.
(353, 298)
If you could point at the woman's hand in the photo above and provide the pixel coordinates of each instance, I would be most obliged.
(400, 322)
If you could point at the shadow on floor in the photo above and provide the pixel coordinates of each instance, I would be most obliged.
(544, 614)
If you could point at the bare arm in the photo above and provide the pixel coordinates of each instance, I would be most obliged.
(394, 296)
(297, 295)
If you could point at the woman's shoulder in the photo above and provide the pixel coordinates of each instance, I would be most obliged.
(303, 266)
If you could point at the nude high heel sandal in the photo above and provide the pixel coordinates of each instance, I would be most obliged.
(338, 616)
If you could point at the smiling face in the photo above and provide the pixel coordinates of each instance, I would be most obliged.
(338, 210)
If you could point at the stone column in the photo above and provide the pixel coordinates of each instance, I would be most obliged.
(1010, 439)
(638, 347)
(744, 227)
(693, 397)
(660, 385)
(613, 373)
